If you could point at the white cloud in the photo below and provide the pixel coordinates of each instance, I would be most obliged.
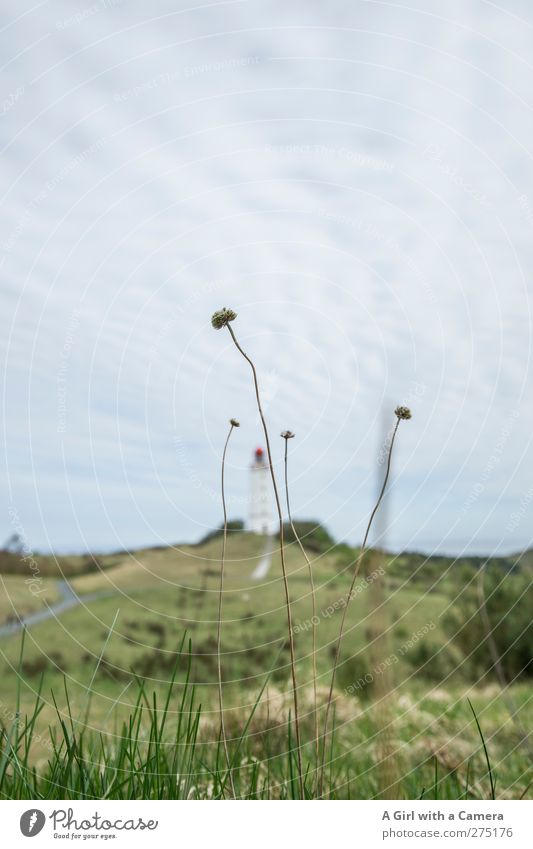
(355, 181)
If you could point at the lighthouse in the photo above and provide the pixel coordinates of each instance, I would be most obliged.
(260, 514)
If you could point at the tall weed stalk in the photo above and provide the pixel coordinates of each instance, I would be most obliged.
(220, 319)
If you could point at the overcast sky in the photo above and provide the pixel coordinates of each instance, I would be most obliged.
(354, 179)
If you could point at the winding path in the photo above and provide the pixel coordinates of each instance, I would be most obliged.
(262, 568)
(68, 600)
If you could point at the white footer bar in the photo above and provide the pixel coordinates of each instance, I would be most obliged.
(269, 825)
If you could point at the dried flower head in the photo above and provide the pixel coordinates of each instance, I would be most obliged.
(234, 423)
(403, 412)
(287, 434)
(222, 317)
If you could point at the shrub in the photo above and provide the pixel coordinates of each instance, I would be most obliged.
(434, 663)
(313, 535)
(356, 678)
(502, 626)
(234, 526)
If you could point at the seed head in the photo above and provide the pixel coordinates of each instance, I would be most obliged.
(403, 412)
(287, 434)
(234, 423)
(222, 317)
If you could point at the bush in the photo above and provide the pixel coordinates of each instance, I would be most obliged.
(234, 526)
(314, 536)
(434, 663)
(509, 601)
(355, 677)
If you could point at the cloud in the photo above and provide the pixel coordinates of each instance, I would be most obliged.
(355, 182)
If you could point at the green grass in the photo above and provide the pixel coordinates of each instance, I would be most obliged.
(115, 702)
(18, 599)
(164, 745)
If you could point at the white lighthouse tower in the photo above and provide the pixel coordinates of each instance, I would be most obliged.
(260, 514)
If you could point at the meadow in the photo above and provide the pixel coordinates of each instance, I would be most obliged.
(266, 667)
(117, 697)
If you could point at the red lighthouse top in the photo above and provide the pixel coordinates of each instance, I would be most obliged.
(258, 453)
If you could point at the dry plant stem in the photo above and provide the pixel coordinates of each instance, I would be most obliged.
(283, 566)
(313, 602)
(347, 602)
(219, 617)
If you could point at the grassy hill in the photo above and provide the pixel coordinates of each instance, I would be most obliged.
(142, 603)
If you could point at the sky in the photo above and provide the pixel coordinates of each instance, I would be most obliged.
(353, 179)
